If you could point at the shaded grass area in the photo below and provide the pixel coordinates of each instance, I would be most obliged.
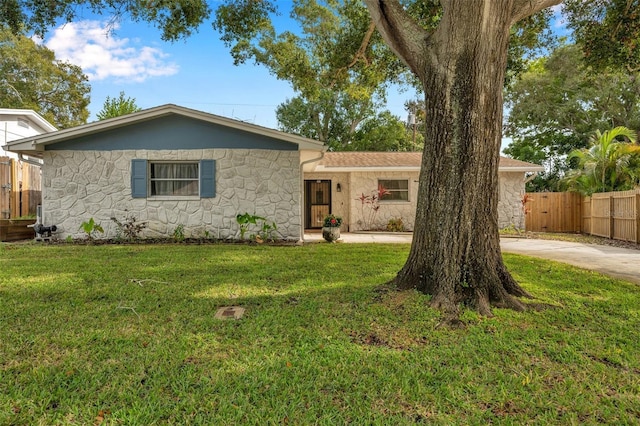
(127, 335)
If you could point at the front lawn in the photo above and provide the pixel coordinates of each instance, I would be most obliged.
(126, 334)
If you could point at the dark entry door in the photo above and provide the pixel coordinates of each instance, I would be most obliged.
(317, 201)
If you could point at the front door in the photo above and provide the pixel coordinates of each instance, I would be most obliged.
(317, 195)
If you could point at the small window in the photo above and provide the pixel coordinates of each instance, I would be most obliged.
(398, 189)
(174, 179)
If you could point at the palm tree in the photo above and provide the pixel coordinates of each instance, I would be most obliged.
(609, 164)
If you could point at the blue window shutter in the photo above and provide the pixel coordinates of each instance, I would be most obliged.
(139, 178)
(207, 178)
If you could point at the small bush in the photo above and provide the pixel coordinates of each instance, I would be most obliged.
(178, 233)
(129, 228)
(396, 225)
(90, 228)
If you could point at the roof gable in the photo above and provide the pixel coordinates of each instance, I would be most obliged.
(165, 127)
(171, 132)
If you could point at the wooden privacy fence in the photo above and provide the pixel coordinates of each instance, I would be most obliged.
(553, 212)
(613, 215)
(20, 190)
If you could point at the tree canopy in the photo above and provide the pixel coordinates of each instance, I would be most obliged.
(175, 18)
(332, 57)
(32, 78)
(115, 107)
(608, 31)
(557, 104)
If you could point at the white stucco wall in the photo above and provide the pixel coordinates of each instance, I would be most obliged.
(79, 185)
(347, 205)
(17, 124)
(353, 184)
(340, 201)
(367, 183)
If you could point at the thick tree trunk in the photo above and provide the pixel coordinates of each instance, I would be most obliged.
(455, 254)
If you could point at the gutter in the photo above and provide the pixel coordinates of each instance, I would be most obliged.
(29, 160)
(301, 210)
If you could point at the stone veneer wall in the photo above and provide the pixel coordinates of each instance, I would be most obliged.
(79, 185)
(510, 212)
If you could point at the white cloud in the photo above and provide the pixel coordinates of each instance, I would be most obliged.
(102, 55)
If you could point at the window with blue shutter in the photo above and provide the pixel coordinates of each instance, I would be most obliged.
(207, 178)
(139, 178)
(173, 179)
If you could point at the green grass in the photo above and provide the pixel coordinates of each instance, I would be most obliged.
(80, 343)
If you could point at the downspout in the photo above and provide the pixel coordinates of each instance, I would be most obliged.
(312, 160)
(530, 178)
(526, 181)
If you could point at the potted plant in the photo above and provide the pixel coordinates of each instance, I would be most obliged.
(331, 228)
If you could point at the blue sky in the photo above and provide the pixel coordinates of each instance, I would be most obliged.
(197, 72)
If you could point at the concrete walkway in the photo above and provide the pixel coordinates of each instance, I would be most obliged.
(614, 261)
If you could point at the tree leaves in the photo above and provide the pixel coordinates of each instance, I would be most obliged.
(557, 104)
(175, 18)
(609, 32)
(32, 78)
(115, 107)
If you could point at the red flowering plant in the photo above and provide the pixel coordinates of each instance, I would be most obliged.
(332, 221)
(372, 202)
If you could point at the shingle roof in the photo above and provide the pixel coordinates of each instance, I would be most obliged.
(398, 159)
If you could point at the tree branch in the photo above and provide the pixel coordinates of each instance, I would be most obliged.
(523, 8)
(363, 46)
(400, 31)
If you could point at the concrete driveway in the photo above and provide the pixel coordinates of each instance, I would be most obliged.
(614, 261)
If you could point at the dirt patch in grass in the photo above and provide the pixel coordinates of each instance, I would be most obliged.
(540, 307)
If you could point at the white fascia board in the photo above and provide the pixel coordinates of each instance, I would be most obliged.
(23, 146)
(322, 168)
(33, 116)
(521, 169)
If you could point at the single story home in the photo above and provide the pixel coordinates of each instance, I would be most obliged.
(343, 183)
(173, 167)
(170, 167)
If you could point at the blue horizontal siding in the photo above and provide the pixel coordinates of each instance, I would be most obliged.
(172, 132)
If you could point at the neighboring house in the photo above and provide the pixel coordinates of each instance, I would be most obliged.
(20, 123)
(19, 176)
(171, 166)
(337, 183)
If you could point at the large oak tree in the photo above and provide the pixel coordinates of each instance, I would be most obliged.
(455, 255)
